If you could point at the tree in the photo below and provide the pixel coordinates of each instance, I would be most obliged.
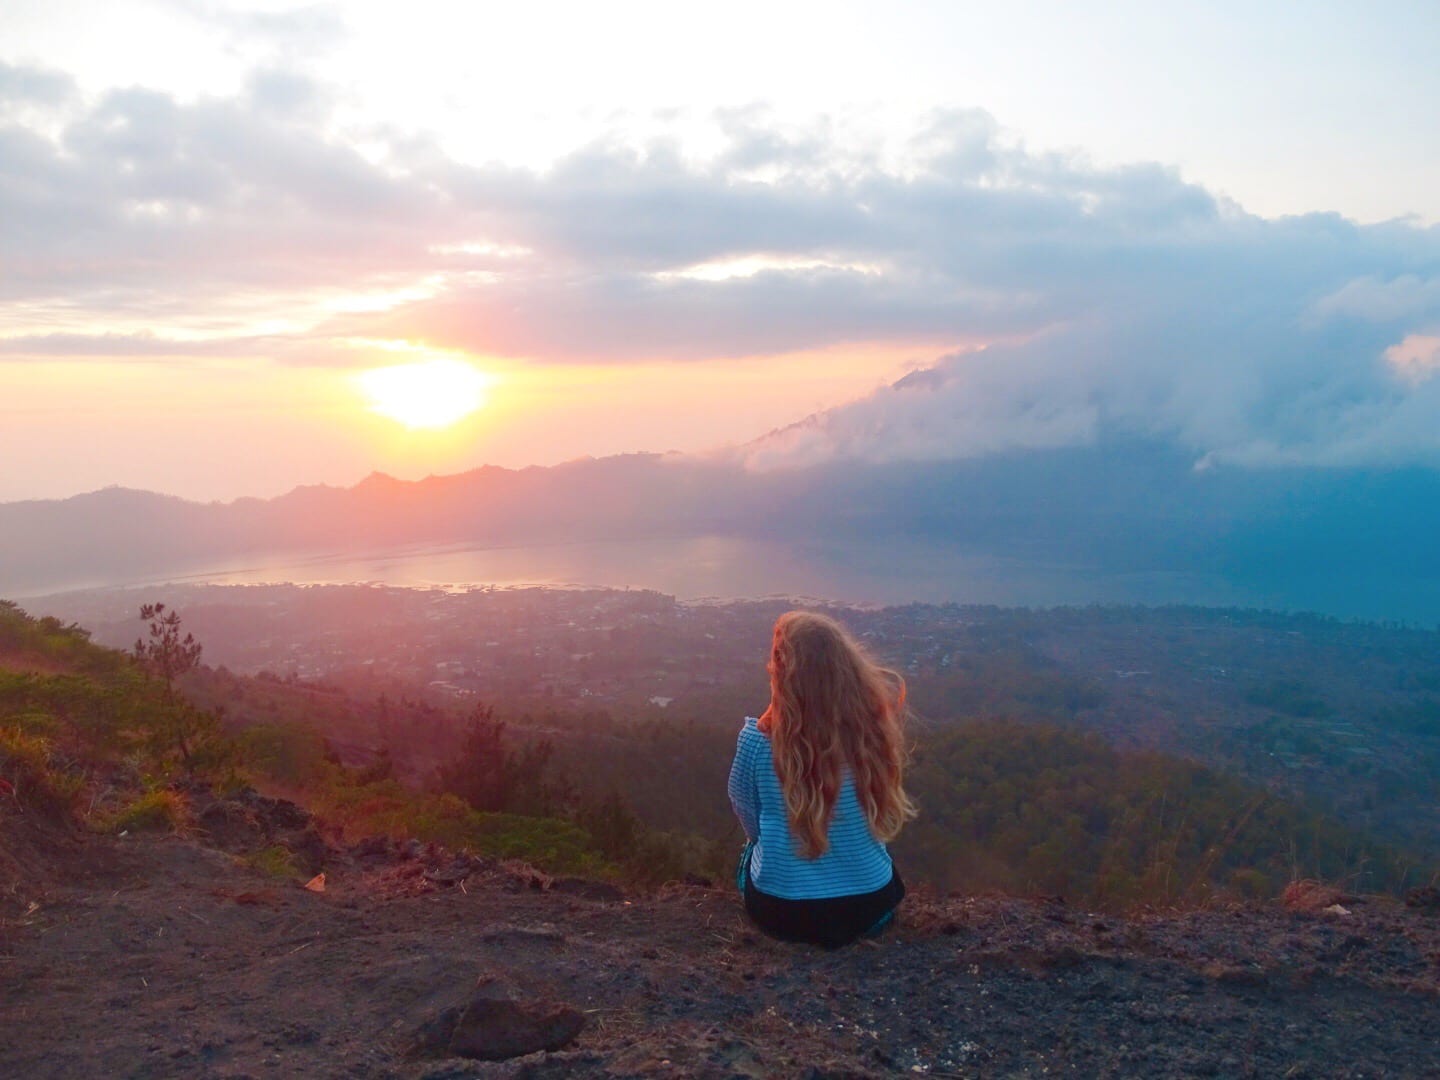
(491, 776)
(166, 654)
(178, 724)
(479, 772)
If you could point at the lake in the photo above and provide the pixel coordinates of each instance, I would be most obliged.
(893, 571)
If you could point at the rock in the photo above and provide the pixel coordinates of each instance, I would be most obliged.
(432, 1038)
(274, 813)
(231, 826)
(495, 1025)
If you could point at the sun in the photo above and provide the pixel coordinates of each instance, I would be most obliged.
(425, 394)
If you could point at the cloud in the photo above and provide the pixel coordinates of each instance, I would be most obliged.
(969, 405)
(142, 345)
(145, 207)
(23, 85)
(1068, 303)
(1382, 301)
(1253, 388)
(1416, 359)
(297, 32)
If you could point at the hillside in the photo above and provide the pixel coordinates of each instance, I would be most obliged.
(1017, 794)
(164, 957)
(160, 916)
(1336, 716)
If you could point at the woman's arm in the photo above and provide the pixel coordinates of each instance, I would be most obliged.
(744, 789)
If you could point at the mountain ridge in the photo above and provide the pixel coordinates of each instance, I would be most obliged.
(1118, 507)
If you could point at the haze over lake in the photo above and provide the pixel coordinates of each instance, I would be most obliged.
(883, 572)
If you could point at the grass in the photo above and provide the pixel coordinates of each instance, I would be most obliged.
(159, 810)
(31, 775)
(386, 808)
(275, 861)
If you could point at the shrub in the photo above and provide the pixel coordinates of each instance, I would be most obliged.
(30, 773)
(551, 844)
(276, 861)
(161, 809)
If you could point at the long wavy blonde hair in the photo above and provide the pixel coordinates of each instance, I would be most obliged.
(832, 707)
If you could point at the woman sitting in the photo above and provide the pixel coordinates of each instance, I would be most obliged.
(816, 784)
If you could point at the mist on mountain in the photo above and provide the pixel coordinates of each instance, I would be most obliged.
(1360, 535)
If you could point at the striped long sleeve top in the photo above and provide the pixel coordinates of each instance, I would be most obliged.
(855, 862)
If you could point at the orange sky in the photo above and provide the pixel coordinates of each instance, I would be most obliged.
(221, 429)
(659, 231)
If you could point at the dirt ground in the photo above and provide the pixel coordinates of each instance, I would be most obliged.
(169, 958)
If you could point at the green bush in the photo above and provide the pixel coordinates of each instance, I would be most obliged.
(32, 775)
(386, 808)
(276, 861)
(163, 809)
(1027, 808)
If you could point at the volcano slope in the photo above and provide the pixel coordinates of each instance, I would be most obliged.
(152, 956)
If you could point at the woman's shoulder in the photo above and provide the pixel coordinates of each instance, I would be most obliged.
(750, 731)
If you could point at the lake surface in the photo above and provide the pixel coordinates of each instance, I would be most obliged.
(894, 571)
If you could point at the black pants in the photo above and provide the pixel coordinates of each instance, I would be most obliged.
(831, 922)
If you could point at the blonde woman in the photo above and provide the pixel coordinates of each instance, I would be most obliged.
(816, 784)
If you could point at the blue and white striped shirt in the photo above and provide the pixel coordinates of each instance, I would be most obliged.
(855, 862)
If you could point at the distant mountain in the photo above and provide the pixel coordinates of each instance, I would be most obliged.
(1133, 507)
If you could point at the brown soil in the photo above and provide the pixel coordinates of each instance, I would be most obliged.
(160, 957)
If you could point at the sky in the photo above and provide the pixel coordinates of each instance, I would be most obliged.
(245, 247)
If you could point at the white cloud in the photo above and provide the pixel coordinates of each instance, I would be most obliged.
(1114, 301)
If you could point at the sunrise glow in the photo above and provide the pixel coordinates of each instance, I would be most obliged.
(387, 251)
(427, 394)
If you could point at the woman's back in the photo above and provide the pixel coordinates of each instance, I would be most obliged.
(855, 862)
